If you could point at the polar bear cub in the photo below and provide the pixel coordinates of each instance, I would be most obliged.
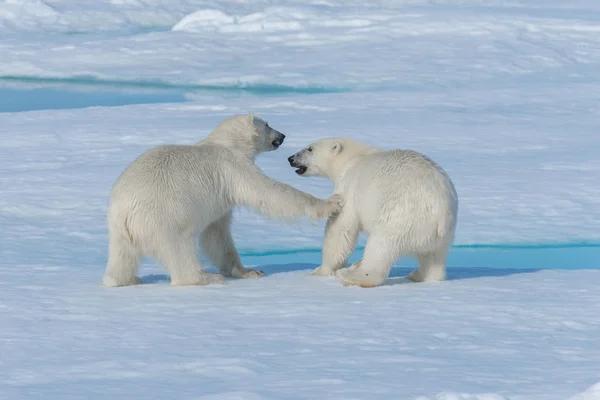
(403, 200)
(172, 194)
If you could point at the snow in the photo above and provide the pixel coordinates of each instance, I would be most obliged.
(290, 336)
(504, 95)
(592, 393)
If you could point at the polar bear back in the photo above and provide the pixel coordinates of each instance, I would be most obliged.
(402, 191)
(175, 185)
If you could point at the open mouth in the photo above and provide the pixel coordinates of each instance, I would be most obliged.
(276, 143)
(301, 170)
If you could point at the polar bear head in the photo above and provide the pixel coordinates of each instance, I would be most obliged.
(328, 156)
(248, 134)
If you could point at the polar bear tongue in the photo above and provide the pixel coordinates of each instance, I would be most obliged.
(301, 170)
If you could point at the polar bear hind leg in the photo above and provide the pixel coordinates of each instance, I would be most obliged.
(217, 245)
(432, 267)
(123, 261)
(381, 252)
(179, 257)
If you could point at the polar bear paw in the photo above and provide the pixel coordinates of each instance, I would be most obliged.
(203, 280)
(426, 275)
(215, 279)
(247, 273)
(415, 276)
(323, 270)
(109, 281)
(333, 205)
(355, 276)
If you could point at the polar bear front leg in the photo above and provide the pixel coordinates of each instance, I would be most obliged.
(217, 244)
(381, 252)
(279, 200)
(341, 234)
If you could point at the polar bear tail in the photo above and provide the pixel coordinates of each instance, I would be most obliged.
(447, 225)
(119, 225)
(126, 230)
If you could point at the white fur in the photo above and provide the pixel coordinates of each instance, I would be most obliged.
(404, 201)
(172, 194)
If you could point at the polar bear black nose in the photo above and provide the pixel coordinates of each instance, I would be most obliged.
(277, 142)
(291, 159)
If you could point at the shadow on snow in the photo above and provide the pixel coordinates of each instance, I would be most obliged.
(396, 277)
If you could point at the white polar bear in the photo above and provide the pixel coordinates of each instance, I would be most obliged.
(402, 199)
(171, 194)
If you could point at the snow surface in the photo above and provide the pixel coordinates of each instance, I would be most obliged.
(503, 94)
(290, 336)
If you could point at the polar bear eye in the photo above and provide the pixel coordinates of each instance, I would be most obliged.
(267, 124)
(310, 149)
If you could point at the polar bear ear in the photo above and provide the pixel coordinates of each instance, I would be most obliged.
(336, 148)
(251, 118)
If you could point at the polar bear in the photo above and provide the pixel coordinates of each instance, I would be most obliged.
(172, 194)
(403, 200)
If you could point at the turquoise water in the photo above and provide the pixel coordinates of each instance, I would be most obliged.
(465, 262)
(479, 259)
(136, 85)
(57, 98)
(29, 94)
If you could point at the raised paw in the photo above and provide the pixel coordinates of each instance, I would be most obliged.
(323, 271)
(332, 206)
(335, 204)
